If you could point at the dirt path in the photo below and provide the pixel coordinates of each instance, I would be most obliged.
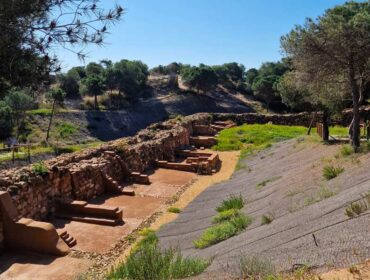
(302, 202)
(229, 161)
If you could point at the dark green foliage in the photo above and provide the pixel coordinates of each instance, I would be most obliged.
(94, 86)
(202, 78)
(330, 56)
(19, 101)
(132, 79)
(6, 123)
(70, 85)
(31, 29)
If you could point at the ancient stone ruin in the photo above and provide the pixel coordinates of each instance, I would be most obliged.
(28, 197)
(71, 180)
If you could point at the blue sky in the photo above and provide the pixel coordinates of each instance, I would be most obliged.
(201, 31)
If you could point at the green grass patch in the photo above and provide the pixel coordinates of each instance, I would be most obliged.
(254, 137)
(228, 222)
(175, 210)
(66, 129)
(233, 202)
(40, 168)
(225, 215)
(346, 150)
(148, 261)
(222, 231)
(330, 172)
(265, 182)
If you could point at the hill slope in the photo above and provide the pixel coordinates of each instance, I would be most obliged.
(302, 202)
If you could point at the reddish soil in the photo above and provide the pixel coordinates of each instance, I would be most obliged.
(98, 239)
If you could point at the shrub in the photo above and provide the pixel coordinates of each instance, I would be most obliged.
(346, 150)
(66, 129)
(267, 219)
(40, 168)
(330, 171)
(256, 268)
(6, 124)
(233, 202)
(225, 215)
(147, 261)
(174, 210)
(222, 231)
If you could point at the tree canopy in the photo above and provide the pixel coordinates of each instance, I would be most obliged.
(331, 56)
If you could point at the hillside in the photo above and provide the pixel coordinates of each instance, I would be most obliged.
(284, 182)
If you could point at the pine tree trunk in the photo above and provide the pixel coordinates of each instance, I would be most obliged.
(355, 125)
(50, 121)
(325, 128)
(95, 102)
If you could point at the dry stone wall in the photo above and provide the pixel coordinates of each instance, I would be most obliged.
(81, 175)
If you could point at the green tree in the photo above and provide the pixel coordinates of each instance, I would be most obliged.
(77, 72)
(264, 88)
(250, 76)
(6, 124)
(94, 86)
(132, 78)
(202, 78)
(293, 94)
(332, 55)
(56, 97)
(31, 29)
(19, 101)
(69, 83)
(94, 68)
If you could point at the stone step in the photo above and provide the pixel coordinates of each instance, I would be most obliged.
(89, 220)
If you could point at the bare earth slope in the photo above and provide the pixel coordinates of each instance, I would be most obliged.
(292, 196)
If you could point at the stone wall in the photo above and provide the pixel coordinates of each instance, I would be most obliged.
(81, 175)
(302, 119)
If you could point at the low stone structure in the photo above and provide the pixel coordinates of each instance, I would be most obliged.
(82, 175)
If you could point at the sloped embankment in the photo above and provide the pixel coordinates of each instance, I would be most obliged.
(286, 182)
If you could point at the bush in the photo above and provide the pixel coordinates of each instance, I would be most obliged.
(330, 172)
(147, 261)
(40, 168)
(6, 124)
(174, 210)
(233, 202)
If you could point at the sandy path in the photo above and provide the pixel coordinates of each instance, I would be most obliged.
(229, 161)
